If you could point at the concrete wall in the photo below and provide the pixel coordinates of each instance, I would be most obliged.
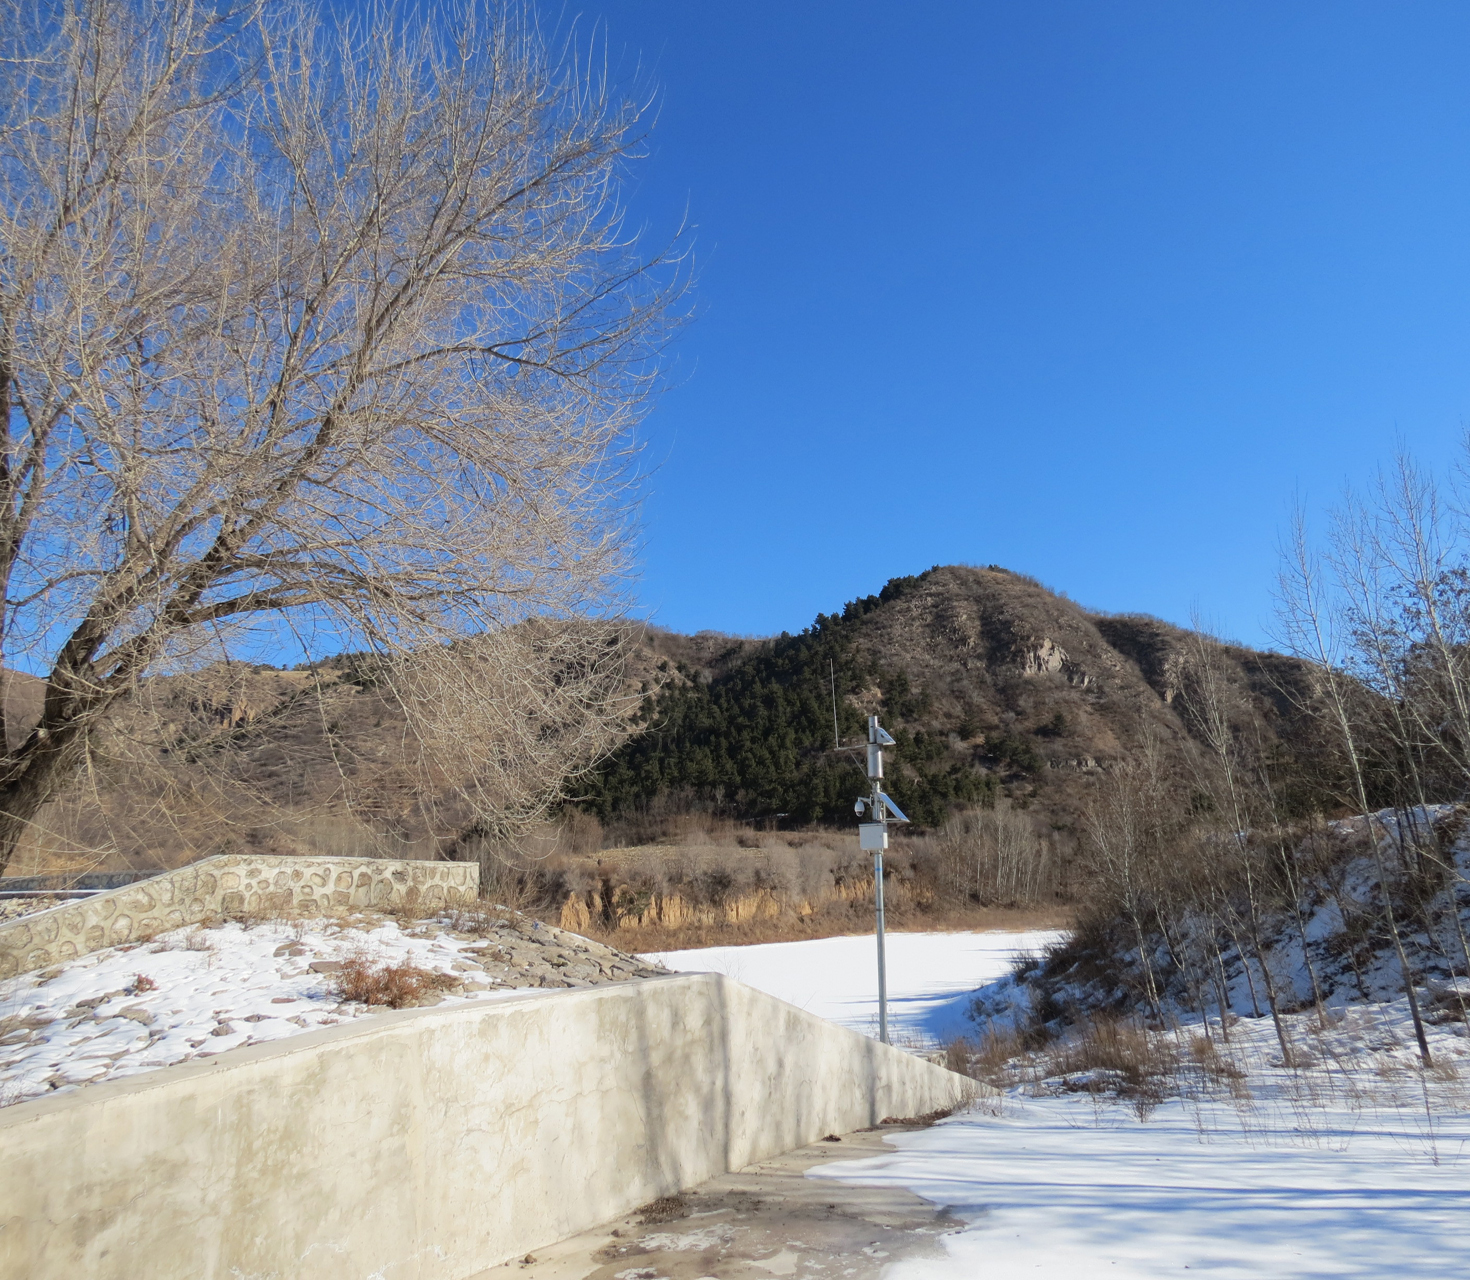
(222, 885)
(432, 1143)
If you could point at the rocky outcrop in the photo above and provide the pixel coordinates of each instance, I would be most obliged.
(1046, 657)
(633, 892)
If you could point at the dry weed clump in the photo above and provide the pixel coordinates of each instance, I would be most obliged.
(396, 986)
(1121, 1057)
(407, 913)
(1443, 1071)
(664, 1209)
(925, 1121)
(478, 921)
(998, 1059)
(1105, 1056)
(1215, 1066)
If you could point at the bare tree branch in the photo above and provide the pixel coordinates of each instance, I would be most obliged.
(335, 321)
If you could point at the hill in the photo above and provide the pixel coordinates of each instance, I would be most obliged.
(1006, 699)
(995, 688)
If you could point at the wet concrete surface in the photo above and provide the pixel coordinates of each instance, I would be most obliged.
(767, 1220)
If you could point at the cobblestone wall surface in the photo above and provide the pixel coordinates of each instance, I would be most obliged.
(228, 884)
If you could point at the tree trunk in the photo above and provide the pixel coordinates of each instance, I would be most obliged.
(33, 775)
(1390, 917)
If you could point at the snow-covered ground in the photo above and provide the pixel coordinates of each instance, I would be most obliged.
(197, 992)
(932, 977)
(1061, 1190)
(1357, 1165)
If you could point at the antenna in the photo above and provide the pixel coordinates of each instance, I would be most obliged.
(832, 672)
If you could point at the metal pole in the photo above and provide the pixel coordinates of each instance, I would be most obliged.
(882, 964)
(879, 815)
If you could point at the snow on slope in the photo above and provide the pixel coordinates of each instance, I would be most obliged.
(207, 990)
(1338, 946)
(932, 977)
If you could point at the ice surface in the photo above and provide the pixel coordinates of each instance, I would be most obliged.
(931, 976)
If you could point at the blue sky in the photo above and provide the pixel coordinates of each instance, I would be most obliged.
(1092, 291)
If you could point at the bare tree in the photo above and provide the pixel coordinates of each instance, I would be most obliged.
(1130, 827)
(335, 323)
(498, 730)
(1324, 624)
(1232, 775)
(996, 856)
(1403, 560)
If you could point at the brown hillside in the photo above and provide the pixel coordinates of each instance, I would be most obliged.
(281, 760)
(1000, 654)
(1012, 685)
(997, 651)
(996, 657)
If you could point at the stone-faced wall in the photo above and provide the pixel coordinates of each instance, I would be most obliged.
(228, 884)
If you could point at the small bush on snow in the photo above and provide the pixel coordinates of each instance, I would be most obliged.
(397, 986)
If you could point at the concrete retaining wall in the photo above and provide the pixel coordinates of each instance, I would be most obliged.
(222, 885)
(433, 1143)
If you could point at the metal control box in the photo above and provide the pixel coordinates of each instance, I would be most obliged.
(873, 836)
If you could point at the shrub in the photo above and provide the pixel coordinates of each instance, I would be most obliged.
(999, 1058)
(396, 986)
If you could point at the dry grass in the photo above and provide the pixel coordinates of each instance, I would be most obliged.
(409, 914)
(1120, 1057)
(1444, 1071)
(991, 1060)
(1216, 1066)
(1107, 1056)
(395, 986)
(478, 921)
